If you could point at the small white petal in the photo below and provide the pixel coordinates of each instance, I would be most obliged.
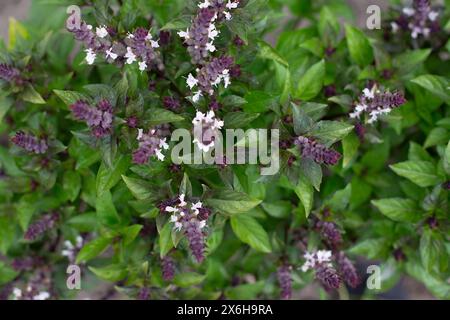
(142, 66)
(110, 54)
(101, 32)
(140, 134)
(191, 81)
(409, 11)
(184, 34)
(159, 155)
(131, 57)
(90, 56)
(433, 15)
(204, 4)
(232, 5)
(197, 96)
(154, 44)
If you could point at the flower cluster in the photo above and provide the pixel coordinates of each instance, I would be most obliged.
(99, 118)
(210, 76)
(375, 103)
(191, 218)
(200, 37)
(30, 143)
(136, 47)
(141, 49)
(420, 20)
(168, 268)
(9, 73)
(285, 281)
(44, 224)
(71, 250)
(311, 149)
(320, 261)
(151, 143)
(97, 42)
(206, 127)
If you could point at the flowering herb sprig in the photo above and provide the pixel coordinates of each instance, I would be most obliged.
(375, 103)
(152, 143)
(38, 228)
(420, 20)
(325, 272)
(206, 127)
(138, 47)
(30, 142)
(191, 218)
(99, 118)
(285, 281)
(313, 150)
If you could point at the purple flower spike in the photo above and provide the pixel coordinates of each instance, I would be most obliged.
(194, 234)
(99, 118)
(285, 281)
(30, 143)
(319, 153)
(328, 276)
(348, 270)
(168, 268)
(9, 73)
(330, 233)
(44, 224)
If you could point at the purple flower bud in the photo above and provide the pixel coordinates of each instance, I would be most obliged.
(360, 131)
(432, 222)
(99, 118)
(144, 294)
(399, 255)
(132, 122)
(30, 143)
(329, 51)
(446, 185)
(44, 224)
(330, 91)
(204, 212)
(196, 239)
(236, 71)
(9, 73)
(164, 38)
(328, 276)
(171, 103)
(214, 104)
(387, 74)
(285, 281)
(238, 42)
(330, 233)
(291, 161)
(319, 153)
(168, 268)
(167, 203)
(348, 270)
